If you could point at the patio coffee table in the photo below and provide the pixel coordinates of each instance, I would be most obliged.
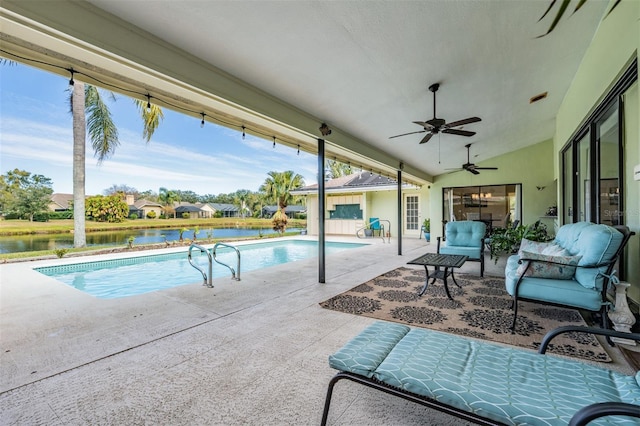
(445, 261)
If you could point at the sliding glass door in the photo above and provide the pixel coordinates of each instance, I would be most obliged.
(593, 162)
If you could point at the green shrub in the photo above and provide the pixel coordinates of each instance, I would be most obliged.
(185, 215)
(133, 216)
(151, 215)
(65, 214)
(60, 252)
(41, 217)
(507, 241)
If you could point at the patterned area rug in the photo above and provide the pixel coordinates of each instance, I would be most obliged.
(481, 309)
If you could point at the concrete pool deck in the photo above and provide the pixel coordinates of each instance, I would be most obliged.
(247, 352)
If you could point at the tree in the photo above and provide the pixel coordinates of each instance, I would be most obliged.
(277, 188)
(23, 194)
(240, 200)
(338, 169)
(111, 208)
(90, 112)
(122, 189)
(167, 198)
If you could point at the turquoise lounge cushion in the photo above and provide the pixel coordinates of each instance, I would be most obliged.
(505, 384)
(365, 352)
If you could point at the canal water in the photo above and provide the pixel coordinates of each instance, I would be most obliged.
(22, 243)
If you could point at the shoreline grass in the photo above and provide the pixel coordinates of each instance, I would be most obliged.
(65, 226)
(25, 256)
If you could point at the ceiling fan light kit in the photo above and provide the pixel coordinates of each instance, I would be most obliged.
(439, 125)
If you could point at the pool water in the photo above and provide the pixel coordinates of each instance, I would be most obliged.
(137, 275)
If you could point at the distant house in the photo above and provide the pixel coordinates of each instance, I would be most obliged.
(61, 202)
(225, 210)
(351, 201)
(141, 208)
(291, 211)
(188, 209)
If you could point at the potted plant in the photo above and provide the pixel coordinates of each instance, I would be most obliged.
(368, 232)
(507, 241)
(426, 228)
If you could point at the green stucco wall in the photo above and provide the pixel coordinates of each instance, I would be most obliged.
(531, 166)
(615, 44)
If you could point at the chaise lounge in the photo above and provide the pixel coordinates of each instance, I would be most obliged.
(486, 383)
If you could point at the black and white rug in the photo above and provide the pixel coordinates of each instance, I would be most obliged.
(481, 309)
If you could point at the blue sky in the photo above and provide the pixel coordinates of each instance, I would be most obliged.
(36, 136)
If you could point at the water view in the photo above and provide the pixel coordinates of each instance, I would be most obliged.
(22, 243)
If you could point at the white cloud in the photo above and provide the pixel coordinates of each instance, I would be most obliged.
(227, 164)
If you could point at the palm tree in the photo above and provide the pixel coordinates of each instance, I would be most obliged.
(90, 112)
(338, 169)
(168, 198)
(277, 188)
(241, 200)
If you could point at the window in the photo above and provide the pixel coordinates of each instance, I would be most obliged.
(592, 161)
(346, 211)
(495, 205)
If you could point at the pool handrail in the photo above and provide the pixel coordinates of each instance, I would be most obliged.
(207, 278)
(381, 229)
(233, 272)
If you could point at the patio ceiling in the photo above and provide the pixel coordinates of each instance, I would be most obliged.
(283, 67)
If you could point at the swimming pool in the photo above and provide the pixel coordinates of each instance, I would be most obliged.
(108, 279)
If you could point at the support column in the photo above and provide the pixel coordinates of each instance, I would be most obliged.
(321, 210)
(399, 212)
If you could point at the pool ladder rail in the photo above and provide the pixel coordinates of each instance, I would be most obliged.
(208, 276)
(381, 229)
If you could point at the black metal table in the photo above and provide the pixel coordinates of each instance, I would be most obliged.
(446, 261)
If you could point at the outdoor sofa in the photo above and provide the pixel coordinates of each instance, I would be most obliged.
(485, 383)
(572, 270)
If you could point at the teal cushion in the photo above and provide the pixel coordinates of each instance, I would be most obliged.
(472, 252)
(565, 292)
(465, 233)
(365, 352)
(505, 384)
(596, 244)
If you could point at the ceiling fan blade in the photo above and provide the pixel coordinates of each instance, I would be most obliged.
(459, 132)
(486, 168)
(405, 134)
(424, 124)
(463, 122)
(474, 171)
(426, 138)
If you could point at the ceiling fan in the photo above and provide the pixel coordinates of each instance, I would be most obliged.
(437, 125)
(472, 168)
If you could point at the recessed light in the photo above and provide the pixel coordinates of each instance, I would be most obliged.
(538, 97)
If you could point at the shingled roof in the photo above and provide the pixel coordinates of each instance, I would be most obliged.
(357, 181)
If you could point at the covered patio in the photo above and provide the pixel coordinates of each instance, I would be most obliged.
(332, 78)
(248, 352)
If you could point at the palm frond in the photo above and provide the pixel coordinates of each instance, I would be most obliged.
(103, 132)
(563, 8)
(151, 118)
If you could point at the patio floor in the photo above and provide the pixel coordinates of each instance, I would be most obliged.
(248, 352)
